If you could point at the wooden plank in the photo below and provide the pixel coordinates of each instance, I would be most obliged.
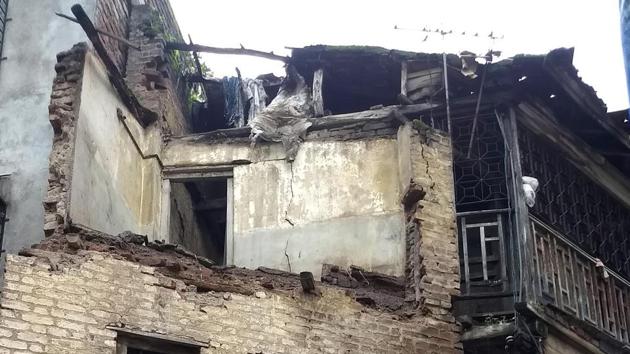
(318, 99)
(522, 222)
(465, 247)
(403, 77)
(228, 257)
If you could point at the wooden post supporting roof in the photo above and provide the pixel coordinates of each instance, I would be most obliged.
(318, 100)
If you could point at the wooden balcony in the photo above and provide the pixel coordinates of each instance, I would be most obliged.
(569, 280)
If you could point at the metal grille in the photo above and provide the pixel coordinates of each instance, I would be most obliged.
(576, 206)
(3, 20)
(479, 179)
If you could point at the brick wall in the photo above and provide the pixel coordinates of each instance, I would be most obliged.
(66, 311)
(151, 77)
(63, 115)
(432, 239)
(113, 16)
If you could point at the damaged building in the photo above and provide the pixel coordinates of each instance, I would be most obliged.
(369, 201)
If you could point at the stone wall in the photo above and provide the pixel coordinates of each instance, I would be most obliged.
(64, 113)
(67, 311)
(113, 16)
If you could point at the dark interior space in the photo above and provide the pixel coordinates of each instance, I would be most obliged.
(355, 78)
(211, 115)
(204, 224)
(140, 351)
(208, 116)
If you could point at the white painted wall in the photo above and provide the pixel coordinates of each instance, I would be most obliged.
(113, 189)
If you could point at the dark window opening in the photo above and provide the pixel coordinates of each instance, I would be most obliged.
(140, 351)
(198, 217)
(135, 342)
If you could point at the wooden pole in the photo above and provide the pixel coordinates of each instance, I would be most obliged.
(216, 50)
(104, 33)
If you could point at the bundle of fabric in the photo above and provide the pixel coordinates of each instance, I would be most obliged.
(285, 119)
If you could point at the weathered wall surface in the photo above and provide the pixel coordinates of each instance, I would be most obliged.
(32, 39)
(114, 187)
(67, 312)
(337, 203)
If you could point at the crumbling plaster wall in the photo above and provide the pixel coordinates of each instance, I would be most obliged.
(31, 41)
(116, 176)
(67, 311)
(337, 203)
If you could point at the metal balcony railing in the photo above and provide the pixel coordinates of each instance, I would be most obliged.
(569, 279)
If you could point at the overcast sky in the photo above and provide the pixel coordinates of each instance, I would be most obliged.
(528, 26)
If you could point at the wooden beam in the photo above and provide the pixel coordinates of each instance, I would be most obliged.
(216, 50)
(318, 100)
(144, 116)
(525, 240)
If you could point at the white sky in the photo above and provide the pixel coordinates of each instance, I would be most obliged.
(528, 26)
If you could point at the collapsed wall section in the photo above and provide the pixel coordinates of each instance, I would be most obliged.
(433, 232)
(70, 310)
(63, 116)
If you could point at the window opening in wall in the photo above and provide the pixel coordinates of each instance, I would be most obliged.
(482, 244)
(136, 342)
(199, 216)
